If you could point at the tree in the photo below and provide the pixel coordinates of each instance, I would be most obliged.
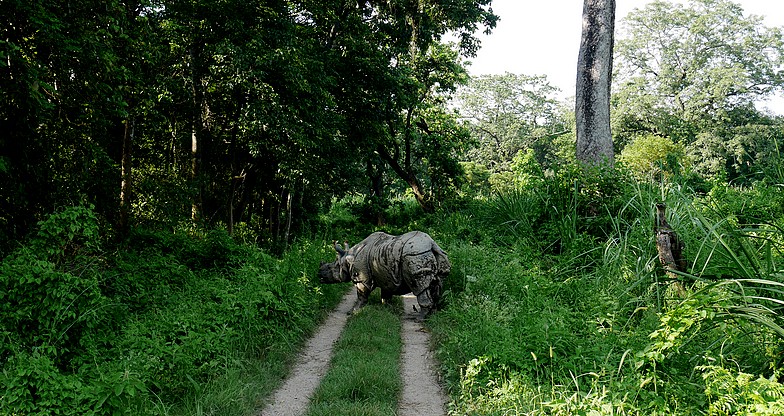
(700, 60)
(508, 113)
(424, 140)
(594, 70)
(692, 73)
(396, 52)
(63, 105)
(225, 111)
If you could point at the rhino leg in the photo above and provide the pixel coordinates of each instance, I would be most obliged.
(429, 299)
(363, 293)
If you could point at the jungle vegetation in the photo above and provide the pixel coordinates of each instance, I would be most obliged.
(172, 173)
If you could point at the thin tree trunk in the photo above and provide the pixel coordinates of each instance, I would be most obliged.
(410, 179)
(594, 76)
(376, 176)
(126, 184)
(230, 225)
(289, 209)
(194, 172)
(197, 104)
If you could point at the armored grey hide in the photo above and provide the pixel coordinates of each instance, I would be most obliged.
(397, 265)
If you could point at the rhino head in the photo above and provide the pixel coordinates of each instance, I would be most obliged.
(339, 270)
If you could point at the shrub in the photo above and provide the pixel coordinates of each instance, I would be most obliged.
(652, 156)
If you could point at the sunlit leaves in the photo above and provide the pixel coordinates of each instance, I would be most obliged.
(699, 58)
(507, 113)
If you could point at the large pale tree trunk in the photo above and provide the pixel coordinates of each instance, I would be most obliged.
(594, 75)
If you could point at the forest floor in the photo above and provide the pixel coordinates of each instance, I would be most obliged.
(422, 394)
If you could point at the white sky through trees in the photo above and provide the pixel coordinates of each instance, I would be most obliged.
(543, 37)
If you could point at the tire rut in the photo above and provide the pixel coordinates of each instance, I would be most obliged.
(421, 396)
(292, 398)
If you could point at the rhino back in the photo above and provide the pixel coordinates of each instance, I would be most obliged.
(409, 262)
(422, 261)
(376, 262)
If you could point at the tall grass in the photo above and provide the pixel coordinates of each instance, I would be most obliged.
(542, 331)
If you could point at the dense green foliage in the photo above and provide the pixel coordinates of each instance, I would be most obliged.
(558, 304)
(692, 73)
(171, 173)
(164, 113)
(148, 327)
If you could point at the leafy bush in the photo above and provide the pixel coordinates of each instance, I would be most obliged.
(50, 303)
(736, 393)
(653, 157)
(143, 330)
(33, 384)
(42, 306)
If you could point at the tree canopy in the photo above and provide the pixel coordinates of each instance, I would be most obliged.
(508, 113)
(693, 73)
(225, 112)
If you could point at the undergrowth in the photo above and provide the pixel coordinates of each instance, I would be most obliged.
(548, 313)
(153, 326)
(556, 304)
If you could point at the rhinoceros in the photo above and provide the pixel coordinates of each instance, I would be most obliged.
(411, 262)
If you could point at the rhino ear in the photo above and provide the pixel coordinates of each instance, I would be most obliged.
(350, 259)
(340, 251)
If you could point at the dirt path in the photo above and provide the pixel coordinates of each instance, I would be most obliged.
(422, 395)
(291, 399)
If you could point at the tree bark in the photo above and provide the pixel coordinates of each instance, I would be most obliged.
(289, 212)
(670, 248)
(594, 76)
(197, 126)
(410, 179)
(126, 184)
(376, 175)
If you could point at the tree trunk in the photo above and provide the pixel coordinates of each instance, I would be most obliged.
(289, 211)
(125, 185)
(594, 75)
(376, 175)
(197, 127)
(194, 172)
(410, 179)
(670, 248)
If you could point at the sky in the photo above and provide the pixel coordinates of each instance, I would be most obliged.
(543, 38)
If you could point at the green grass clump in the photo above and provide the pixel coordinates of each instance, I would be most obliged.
(596, 326)
(364, 378)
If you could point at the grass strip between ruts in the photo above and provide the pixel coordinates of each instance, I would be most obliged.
(364, 376)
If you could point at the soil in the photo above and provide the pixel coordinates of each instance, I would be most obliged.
(422, 395)
(291, 399)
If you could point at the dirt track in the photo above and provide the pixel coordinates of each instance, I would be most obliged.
(422, 395)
